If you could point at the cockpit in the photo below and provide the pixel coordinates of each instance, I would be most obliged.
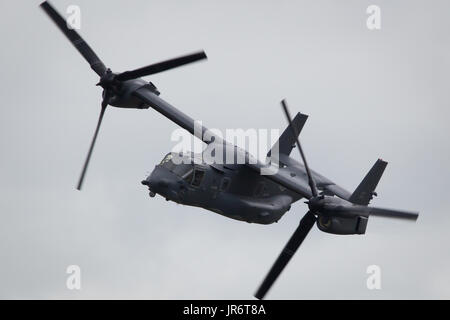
(183, 166)
(179, 166)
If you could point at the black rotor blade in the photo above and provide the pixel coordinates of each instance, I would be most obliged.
(291, 247)
(78, 42)
(311, 182)
(88, 157)
(161, 66)
(353, 211)
(390, 213)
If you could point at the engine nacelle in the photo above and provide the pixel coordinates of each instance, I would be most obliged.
(125, 98)
(339, 225)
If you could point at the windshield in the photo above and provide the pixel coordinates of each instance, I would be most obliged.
(178, 169)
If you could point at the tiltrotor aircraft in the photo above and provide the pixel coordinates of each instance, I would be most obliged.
(237, 190)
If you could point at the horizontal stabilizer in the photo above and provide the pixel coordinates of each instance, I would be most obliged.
(286, 142)
(366, 189)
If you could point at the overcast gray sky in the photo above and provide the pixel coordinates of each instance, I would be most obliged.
(369, 94)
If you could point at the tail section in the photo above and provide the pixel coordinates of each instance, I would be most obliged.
(366, 189)
(286, 142)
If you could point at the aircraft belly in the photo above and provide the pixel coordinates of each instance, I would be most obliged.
(252, 210)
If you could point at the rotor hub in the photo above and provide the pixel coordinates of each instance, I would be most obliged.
(316, 203)
(107, 80)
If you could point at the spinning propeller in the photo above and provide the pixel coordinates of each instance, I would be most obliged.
(109, 81)
(319, 206)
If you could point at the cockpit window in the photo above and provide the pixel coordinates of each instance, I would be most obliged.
(194, 177)
(186, 171)
(179, 169)
(198, 177)
(188, 176)
(166, 159)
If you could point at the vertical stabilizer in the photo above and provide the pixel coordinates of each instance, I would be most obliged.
(286, 142)
(366, 189)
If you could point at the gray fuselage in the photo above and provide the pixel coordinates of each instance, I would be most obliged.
(234, 191)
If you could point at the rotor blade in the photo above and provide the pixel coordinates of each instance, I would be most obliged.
(389, 213)
(291, 247)
(311, 182)
(78, 42)
(88, 157)
(161, 66)
(352, 211)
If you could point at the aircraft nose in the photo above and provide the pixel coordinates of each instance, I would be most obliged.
(160, 184)
(150, 183)
(163, 183)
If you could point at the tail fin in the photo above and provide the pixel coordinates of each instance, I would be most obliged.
(286, 142)
(366, 189)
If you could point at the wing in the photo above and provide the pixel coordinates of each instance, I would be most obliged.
(284, 177)
(290, 177)
(294, 178)
(172, 113)
(323, 183)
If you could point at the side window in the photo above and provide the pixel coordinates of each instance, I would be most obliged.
(198, 177)
(188, 176)
(224, 184)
